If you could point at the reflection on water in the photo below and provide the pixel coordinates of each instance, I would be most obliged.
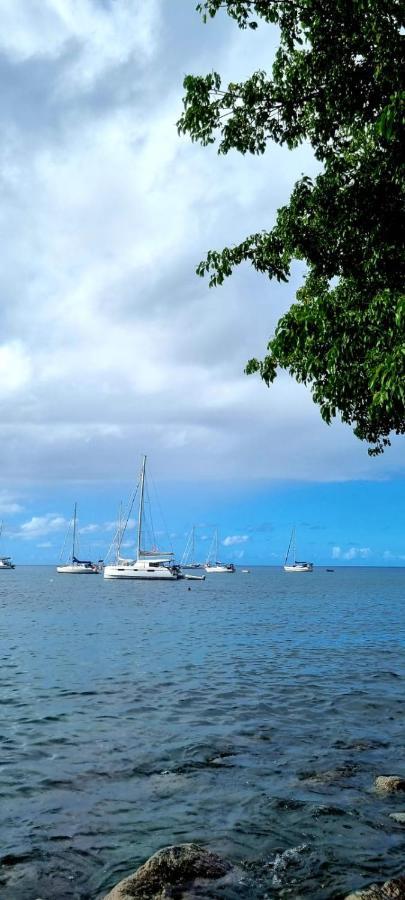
(248, 714)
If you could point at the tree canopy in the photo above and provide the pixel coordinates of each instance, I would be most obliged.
(338, 81)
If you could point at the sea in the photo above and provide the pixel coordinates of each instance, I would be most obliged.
(250, 713)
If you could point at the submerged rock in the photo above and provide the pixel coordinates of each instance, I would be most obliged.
(173, 872)
(390, 890)
(389, 784)
(332, 776)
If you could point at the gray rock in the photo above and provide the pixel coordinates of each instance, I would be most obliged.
(398, 816)
(389, 784)
(390, 890)
(332, 776)
(173, 872)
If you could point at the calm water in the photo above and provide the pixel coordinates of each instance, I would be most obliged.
(250, 713)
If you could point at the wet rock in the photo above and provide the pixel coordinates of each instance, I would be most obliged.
(332, 776)
(361, 744)
(389, 784)
(174, 872)
(399, 817)
(390, 890)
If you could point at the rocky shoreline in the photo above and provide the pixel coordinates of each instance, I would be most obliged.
(188, 871)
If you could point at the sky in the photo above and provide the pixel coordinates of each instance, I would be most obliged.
(111, 346)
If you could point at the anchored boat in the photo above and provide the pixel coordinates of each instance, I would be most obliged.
(188, 559)
(76, 566)
(149, 565)
(295, 566)
(213, 565)
(5, 561)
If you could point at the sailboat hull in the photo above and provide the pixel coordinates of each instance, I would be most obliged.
(130, 572)
(299, 567)
(77, 570)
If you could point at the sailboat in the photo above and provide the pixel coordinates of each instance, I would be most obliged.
(151, 565)
(5, 561)
(212, 565)
(295, 566)
(188, 558)
(76, 566)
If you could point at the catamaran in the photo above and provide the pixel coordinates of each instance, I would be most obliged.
(212, 565)
(76, 566)
(5, 561)
(151, 565)
(296, 566)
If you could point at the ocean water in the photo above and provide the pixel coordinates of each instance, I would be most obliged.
(250, 713)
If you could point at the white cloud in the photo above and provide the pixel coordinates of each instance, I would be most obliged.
(8, 504)
(351, 553)
(233, 539)
(40, 526)
(89, 529)
(113, 342)
(97, 38)
(389, 555)
(357, 553)
(15, 367)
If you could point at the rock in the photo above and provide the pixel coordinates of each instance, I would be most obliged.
(389, 784)
(332, 776)
(172, 872)
(390, 890)
(398, 816)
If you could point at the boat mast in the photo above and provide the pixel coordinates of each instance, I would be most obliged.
(74, 531)
(119, 533)
(140, 514)
(294, 550)
(292, 538)
(192, 546)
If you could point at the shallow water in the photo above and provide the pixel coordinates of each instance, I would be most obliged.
(250, 713)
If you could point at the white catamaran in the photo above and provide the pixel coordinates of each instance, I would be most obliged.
(212, 565)
(76, 566)
(5, 561)
(295, 566)
(151, 565)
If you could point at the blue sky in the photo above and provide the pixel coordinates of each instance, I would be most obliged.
(345, 523)
(111, 346)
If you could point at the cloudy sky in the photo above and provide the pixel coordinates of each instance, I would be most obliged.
(110, 346)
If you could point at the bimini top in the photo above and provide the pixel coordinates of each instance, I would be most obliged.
(82, 562)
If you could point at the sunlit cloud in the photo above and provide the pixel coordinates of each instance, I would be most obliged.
(233, 539)
(40, 526)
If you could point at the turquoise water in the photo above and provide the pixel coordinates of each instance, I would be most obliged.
(250, 713)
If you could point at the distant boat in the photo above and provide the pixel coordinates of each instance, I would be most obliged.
(213, 565)
(76, 566)
(5, 561)
(296, 565)
(149, 565)
(188, 559)
(330, 570)
(245, 571)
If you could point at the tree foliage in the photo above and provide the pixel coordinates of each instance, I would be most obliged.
(337, 81)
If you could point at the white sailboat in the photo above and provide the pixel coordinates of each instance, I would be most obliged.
(295, 566)
(213, 566)
(150, 565)
(188, 559)
(5, 561)
(76, 566)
